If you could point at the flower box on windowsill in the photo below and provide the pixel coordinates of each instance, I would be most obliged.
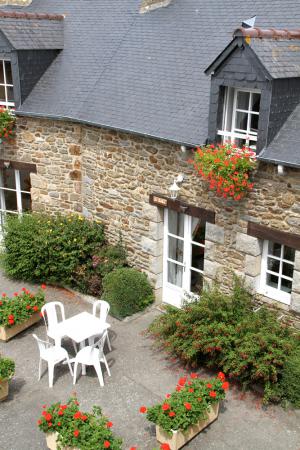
(52, 444)
(3, 390)
(7, 333)
(180, 438)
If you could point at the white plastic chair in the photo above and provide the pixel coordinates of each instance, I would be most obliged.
(92, 355)
(104, 308)
(53, 354)
(51, 318)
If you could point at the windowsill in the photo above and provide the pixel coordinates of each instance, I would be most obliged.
(274, 294)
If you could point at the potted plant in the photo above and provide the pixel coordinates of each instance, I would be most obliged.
(226, 168)
(7, 125)
(68, 428)
(20, 311)
(7, 370)
(188, 410)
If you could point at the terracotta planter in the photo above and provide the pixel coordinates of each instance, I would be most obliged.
(51, 442)
(180, 438)
(7, 333)
(3, 390)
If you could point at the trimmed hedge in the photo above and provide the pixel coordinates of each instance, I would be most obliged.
(128, 291)
(49, 248)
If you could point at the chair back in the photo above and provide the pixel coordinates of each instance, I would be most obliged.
(103, 309)
(42, 345)
(49, 312)
(99, 345)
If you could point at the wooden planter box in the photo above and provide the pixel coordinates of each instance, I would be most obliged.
(51, 442)
(3, 390)
(7, 333)
(180, 438)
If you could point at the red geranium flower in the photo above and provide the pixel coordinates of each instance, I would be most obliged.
(3, 295)
(1, 303)
(43, 286)
(178, 388)
(221, 376)
(165, 447)
(143, 409)
(109, 424)
(182, 381)
(11, 321)
(133, 448)
(63, 407)
(172, 414)
(59, 424)
(35, 308)
(188, 406)
(50, 424)
(106, 444)
(191, 390)
(41, 314)
(11, 316)
(48, 417)
(165, 407)
(28, 307)
(84, 417)
(194, 375)
(23, 289)
(39, 422)
(76, 433)
(60, 413)
(209, 386)
(168, 395)
(212, 394)
(77, 415)
(16, 294)
(225, 385)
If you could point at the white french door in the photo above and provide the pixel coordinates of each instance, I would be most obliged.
(184, 245)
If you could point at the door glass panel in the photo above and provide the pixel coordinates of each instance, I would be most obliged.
(26, 202)
(289, 254)
(197, 257)
(10, 200)
(287, 270)
(274, 249)
(198, 231)
(273, 264)
(286, 285)
(25, 180)
(196, 282)
(175, 273)
(175, 249)
(8, 178)
(243, 100)
(176, 223)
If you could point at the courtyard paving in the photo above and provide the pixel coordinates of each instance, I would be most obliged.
(140, 375)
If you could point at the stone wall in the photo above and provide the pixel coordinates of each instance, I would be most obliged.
(109, 175)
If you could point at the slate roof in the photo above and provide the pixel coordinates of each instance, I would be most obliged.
(33, 31)
(285, 148)
(143, 72)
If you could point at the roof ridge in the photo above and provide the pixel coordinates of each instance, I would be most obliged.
(26, 15)
(269, 33)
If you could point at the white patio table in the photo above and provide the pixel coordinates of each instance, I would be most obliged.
(81, 327)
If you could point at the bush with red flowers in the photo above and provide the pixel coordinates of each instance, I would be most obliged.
(21, 306)
(188, 404)
(77, 429)
(226, 168)
(7, 125)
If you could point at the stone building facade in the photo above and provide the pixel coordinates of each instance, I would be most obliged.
(109, 175)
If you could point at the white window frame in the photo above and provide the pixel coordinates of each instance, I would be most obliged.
(265, 289)
(6, 104)
(236, 133)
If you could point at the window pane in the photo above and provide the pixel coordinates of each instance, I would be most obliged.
(8, 177)
(196, 282)
(273, 265)
(272, 281)
(274, 249)
(8, 73)
(286, 285)
(1, 72)
(198, 231)
(175, 274)
(240, 143)
(10, 94)
(2, 94)
(287, 270)
(26, 202)
(176, 249)
(241, 120)
(288, 253)
(255, 102)
(10, 200)
(25, 180)
(176, 223)
(254, 123)
(197, 257)
(243, 100)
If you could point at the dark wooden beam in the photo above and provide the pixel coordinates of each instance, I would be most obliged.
(282, 237)
(17, 165)
(177, 205)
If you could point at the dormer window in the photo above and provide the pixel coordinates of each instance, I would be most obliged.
(6, 85)
(240, 117)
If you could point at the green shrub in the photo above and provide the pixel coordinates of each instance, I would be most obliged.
(7, 368)
(88, 277)
(128, 291)
(290, 381)
(49, 248)
(222, 331)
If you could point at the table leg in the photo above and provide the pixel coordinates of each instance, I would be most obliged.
(83, 367)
